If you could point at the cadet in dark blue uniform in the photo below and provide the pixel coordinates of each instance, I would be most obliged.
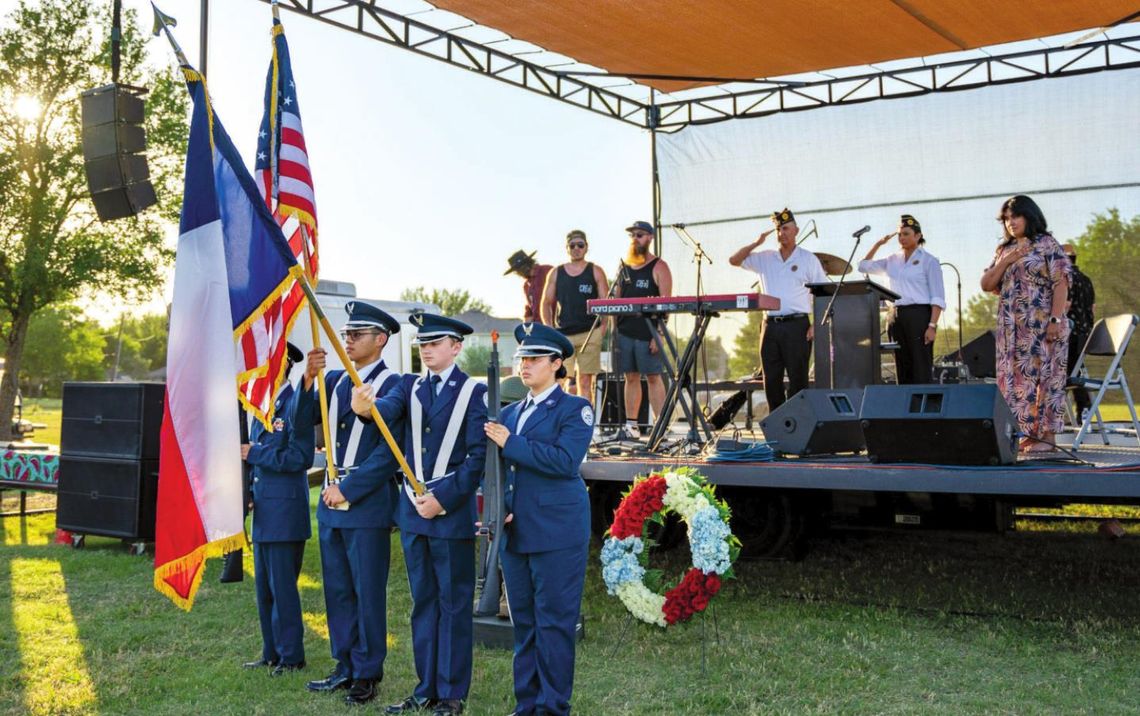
(443, 413)
(280, 493)
(544, 440)
(354, 517)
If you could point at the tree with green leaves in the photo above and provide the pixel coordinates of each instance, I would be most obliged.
(61, 345)
(745, 358)
(450, 302)
(52, 247)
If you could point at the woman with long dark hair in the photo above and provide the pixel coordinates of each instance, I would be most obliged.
(916, 276)
(1030, 274)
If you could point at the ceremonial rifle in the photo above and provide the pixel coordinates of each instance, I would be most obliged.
(491, 529)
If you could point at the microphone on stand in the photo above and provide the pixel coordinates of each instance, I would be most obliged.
(862, 231)
(679, 226)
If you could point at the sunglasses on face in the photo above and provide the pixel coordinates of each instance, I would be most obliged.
(577, 244)
(638, 234)
(356, 335)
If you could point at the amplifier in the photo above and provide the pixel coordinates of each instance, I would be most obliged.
(938, 425)
(112, 420)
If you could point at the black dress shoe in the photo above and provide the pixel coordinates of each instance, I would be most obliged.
(258, 664)
(448, 707)
(362, 691)
(282, 669)
(410, 705)
(335, 680)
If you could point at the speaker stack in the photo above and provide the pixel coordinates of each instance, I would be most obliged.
(108, 465)
(816, 421)
(114, 140)
(938, 424)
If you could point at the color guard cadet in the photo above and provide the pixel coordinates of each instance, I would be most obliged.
(280, 494)
(355, 515)
(544, 440)
(443, 413)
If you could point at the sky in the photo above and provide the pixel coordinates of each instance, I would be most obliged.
(425, 175)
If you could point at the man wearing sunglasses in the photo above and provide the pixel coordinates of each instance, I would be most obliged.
(564, 306)
(355, 514)
(642, 274)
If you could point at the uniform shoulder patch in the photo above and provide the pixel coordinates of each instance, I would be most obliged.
(587, 415)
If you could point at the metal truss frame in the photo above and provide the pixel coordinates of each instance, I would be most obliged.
(712, 104)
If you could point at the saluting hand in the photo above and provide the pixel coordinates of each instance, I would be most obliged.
(763, 236)
(362, 399)
(886, 238)
(497, 432)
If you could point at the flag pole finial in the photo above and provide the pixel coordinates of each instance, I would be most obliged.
(163, 23)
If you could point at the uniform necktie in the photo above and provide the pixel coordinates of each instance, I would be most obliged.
(433, 384)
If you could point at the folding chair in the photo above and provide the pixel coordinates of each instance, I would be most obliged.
(1109, 337)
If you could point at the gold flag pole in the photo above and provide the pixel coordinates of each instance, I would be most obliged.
(307, 287)
(330, 449)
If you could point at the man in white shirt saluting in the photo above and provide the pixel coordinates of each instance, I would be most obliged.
(785, 342)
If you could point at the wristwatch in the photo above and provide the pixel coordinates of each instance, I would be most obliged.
(932, 325)
(1054, 319)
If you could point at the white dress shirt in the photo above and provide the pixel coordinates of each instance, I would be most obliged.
(534, 401)
(443, 376)
(786, 280)
(917, 280)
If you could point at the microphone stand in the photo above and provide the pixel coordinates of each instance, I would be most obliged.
(700, 256)
(829, 313)
(961, 358)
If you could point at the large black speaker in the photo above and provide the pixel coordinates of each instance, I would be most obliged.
(113, 144)
(816, 421)
(115, 498)
(938, 425)
(112, 420)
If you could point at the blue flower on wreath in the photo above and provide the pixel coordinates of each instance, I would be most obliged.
(619, 562)
(708, 541)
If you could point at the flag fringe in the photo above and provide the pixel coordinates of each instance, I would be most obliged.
(300, 214)
(296, 273)
(183, 564)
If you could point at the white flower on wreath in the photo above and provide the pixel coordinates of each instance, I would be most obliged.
(680, 497)
(642, 603)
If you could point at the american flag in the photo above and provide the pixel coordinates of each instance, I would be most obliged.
(283, 178)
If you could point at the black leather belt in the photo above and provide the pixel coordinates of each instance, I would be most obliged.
(788, 317)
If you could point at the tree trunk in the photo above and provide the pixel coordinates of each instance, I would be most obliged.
(8, 386)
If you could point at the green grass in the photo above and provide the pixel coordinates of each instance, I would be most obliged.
(870, 622)
(48, 411)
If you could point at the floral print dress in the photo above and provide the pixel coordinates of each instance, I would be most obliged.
(1031, 369)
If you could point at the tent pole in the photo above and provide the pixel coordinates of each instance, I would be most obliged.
(653, 117)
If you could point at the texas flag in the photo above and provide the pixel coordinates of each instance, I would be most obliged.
(232, 265)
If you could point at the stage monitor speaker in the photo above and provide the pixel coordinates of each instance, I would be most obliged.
(112, 420)
(816, 421)
(114, 498)
(938, 425)
(979, 355)
(113, 144)
(612, 401)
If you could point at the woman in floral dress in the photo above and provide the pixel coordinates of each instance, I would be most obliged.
(1031, 273)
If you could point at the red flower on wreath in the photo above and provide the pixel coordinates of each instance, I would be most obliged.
(644, 499)
(691, 595)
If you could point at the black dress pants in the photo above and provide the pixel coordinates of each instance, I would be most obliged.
(914, 358)
(784, 348)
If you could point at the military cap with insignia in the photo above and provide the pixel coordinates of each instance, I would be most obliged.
(433, 328)
(536, 339)
(779, 218)
(910, 221)
(364, 315)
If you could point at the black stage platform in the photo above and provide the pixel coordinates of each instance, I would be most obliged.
(1112, 477)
